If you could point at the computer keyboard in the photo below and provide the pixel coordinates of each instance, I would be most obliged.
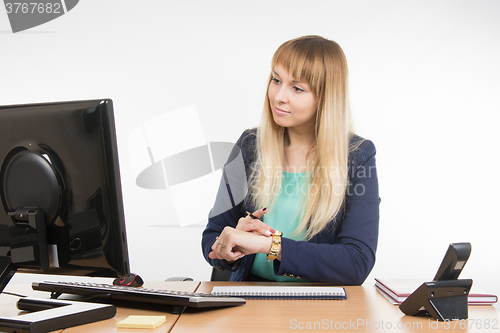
(134, 294)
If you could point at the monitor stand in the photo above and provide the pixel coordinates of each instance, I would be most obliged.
(49, 314)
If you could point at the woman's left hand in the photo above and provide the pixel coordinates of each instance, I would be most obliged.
(252, 223)
(232, 244)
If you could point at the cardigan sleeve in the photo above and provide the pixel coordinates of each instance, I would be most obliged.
(228, 207)
(343, 254)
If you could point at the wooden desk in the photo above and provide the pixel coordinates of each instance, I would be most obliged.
(8, 308)
(152, 310)
(365, 310)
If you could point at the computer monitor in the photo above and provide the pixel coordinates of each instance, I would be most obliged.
(61, 210)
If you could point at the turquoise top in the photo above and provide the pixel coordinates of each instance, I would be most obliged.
(284, 216)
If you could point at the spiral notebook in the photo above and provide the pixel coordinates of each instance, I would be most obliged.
(269, 292)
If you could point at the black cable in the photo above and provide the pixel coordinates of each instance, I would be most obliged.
(99, 296)
(13, 294)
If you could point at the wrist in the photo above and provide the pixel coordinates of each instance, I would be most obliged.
(266, 245)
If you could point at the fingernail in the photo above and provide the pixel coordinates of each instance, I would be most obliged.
(268, 233)
(264, 209)
(273, 231)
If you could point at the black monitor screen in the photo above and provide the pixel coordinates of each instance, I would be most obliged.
(62, 210)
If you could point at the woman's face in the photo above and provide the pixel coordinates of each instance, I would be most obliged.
(292, 102)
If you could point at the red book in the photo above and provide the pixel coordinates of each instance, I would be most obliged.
(397, 290)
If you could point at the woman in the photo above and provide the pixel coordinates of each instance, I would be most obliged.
(310, 179)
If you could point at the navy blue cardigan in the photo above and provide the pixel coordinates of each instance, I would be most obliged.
(343, 253)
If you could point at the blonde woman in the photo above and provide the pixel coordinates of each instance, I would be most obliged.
(307, 208)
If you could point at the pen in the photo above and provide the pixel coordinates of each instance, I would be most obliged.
(252, 216)
(255, 217)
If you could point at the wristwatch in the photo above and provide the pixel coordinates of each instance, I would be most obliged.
(275, 246)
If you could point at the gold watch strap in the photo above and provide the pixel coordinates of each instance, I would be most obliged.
(275, 246)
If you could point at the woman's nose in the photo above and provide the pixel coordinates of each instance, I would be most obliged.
(281, 95)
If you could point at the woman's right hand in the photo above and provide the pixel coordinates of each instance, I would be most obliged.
(232, 244)
(250, 224)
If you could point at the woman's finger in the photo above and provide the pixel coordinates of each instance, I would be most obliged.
(258, 213)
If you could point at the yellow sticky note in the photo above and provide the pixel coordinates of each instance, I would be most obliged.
(142, 322)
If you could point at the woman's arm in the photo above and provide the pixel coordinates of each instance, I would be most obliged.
(228, 208)
(343, 257)
(214, 228)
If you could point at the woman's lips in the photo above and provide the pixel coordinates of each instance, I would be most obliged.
(280, 111)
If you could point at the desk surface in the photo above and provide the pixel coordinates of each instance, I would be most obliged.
(8, 308)
(365, 310)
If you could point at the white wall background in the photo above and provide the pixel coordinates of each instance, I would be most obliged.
(424, 79)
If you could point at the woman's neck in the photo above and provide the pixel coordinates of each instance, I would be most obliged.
(300, 151)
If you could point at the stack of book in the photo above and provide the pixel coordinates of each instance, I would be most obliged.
(397, 290)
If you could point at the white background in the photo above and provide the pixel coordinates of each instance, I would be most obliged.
(424, 82)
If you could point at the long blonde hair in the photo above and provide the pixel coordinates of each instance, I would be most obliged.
(322, 64)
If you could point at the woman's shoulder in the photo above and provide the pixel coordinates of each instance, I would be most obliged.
(248, 136)
(248, 139)
(246, 144)
(361, 149)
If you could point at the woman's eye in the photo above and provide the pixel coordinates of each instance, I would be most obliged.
(275, 80)
(297, 89)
